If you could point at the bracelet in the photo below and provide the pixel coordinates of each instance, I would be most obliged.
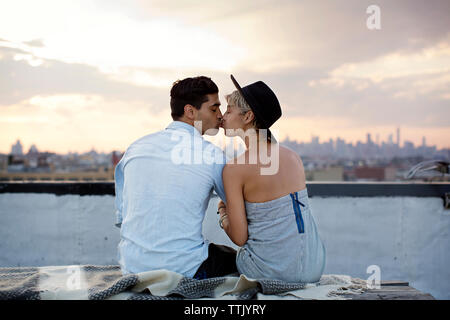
(221, 220)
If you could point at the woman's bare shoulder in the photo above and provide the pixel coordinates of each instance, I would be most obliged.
(233, 164)
(288, 152)
(239, 165)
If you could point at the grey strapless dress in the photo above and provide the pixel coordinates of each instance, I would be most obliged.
(283, 242)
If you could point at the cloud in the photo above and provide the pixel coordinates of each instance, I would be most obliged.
(431, 60)
(35, 43)
(393, 102)
(312, 34)
(409, 88)
(21, 80)
(407, 100)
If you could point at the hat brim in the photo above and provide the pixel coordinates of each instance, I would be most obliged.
(236, 84)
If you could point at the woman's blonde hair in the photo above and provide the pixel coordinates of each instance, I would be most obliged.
(235, 98)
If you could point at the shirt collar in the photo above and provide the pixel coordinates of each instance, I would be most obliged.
(176, 125)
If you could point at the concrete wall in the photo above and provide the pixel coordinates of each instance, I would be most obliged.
(407, 237)
(45, 229)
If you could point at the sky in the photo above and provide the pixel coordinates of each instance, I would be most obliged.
(77, 75)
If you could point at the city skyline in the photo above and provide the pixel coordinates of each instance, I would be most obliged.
(314, 140)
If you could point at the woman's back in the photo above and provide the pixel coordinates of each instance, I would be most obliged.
(288, 178)
(283, 241)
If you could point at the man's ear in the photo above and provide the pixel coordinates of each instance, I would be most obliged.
(189, 111)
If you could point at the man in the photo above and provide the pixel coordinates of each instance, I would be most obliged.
(163, 184)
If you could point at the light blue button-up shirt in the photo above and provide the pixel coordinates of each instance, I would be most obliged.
(163, 185)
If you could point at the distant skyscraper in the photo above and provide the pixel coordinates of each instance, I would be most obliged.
(424, 142)
(378, 139)
(390, 141)
(16, 149)
(369, 139)
(398, 137)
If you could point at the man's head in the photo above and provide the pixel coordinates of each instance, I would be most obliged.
(196, 99)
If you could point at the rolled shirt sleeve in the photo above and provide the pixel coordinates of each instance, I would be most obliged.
(118, 187)
(218, 182)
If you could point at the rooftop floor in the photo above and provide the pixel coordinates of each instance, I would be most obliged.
(393, 290)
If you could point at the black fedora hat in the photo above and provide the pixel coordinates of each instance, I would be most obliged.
(263, 102)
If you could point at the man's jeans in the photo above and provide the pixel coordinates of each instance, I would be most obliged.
(221, 261)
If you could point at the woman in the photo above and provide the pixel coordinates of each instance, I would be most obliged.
(267, 215)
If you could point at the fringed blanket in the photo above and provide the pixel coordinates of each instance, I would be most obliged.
(90, 282)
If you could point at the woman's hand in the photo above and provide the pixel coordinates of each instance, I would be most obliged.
(222, 210)
(221, 207)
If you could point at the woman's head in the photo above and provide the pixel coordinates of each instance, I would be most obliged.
(238, 115)
(256, 107)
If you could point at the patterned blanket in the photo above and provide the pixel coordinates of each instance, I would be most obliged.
(90, 282)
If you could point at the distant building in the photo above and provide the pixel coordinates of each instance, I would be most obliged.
(33, 150)
(390, 141)
(16, 149)
(3, 162)
(33, 157)
(367, 173)
(375, 173)
(326, 174)
(390, 173)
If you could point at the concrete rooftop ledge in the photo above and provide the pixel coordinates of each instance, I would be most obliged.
(315, 189)
(400, 227)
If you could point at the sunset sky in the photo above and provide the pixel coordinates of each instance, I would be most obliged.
(77, 75)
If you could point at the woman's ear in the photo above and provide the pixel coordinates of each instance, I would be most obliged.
(249, 117)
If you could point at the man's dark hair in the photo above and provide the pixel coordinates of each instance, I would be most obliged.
(191, 91)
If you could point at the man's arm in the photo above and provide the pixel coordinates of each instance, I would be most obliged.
(118, 186)
(218, 182)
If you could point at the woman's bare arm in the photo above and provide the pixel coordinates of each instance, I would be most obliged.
(235, 222)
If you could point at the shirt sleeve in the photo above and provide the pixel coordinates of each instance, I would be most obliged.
(118, 186)
(218, 182)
